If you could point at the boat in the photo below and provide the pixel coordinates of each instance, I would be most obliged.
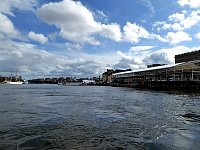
(17, 80)
(88, 82)
(13, 82)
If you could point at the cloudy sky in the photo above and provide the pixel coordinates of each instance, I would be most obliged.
(83, 38)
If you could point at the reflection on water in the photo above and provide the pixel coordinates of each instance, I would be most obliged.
(88, 117)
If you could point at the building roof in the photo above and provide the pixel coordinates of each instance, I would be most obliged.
(173, 67)
(188, 53)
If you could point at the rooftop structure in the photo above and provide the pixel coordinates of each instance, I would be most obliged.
(155, 65)
(191, 56)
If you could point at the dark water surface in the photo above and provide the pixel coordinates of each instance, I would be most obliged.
(44, 117)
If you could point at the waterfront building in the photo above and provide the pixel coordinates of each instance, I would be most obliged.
(107, 76)
(185, 73)
(2, 79)
(180, 74)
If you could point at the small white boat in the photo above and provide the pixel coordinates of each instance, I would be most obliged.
(88, 82)
(12, 82)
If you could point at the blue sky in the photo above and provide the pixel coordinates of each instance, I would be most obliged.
(83, 38)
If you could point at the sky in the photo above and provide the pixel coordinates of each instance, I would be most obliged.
(83, 38)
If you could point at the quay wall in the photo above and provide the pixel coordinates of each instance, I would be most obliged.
(188, 85)
(176, 85)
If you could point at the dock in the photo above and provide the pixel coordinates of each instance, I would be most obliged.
(185, 75)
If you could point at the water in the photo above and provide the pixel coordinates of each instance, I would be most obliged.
(41, 117)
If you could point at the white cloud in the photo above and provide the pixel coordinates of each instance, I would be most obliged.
(101, 13)
(177, 27)
(19, 55)
(76, 22)
(86, 65)
(6, 26)
(7, 6)
(73, 46)
(165, 56)
(191, 3)
(141, 48)
(111, 31)
(159, 37)
(158, 23)
(77, 25)
(100, 16)
(197, 35)
(191, 20)
(22, 56)
(123, 55)
(134, 60)
(133, 33)
(37, 37)
(52, 36)
(180, 21)
(176, 17)
(166, 26)
(177, 37)
(125, 61)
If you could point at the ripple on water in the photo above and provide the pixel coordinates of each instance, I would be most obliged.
(108, 115)
(65, 118)
(192, 117)
(36, 143)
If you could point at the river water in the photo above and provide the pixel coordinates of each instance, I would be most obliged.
(43, 117)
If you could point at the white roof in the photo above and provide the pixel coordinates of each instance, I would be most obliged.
(179, 66)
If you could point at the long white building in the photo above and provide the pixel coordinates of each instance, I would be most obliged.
(186, 71)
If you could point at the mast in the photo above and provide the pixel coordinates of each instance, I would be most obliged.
(16, 76)
(11, 75)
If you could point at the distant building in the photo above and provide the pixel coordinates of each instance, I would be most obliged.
(43, 81)
(185, 57)
(60, 80)
(1, 79)
(97, 79)
(107, 76)
(155, 65)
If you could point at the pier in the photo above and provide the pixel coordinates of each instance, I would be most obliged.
(185, 75)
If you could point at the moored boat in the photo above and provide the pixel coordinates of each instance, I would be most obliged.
(13, 82)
